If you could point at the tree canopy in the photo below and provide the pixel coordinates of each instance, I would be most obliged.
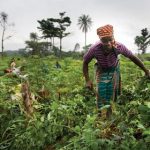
(143, 40)
(55, 27)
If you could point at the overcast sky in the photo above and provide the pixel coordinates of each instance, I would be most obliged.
(128, 17)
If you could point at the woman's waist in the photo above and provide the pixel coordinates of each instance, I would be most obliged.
(106, 68)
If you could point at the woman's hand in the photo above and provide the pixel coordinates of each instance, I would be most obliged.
(89, 84)
(147, 73)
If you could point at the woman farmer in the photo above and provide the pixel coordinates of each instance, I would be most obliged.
(106, 53)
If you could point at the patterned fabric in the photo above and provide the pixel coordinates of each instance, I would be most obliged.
(110, 60)
(108, 85)
(104, 31)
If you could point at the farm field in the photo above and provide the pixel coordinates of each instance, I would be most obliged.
(62, 112)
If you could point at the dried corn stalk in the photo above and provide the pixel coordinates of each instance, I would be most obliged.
(27, 100)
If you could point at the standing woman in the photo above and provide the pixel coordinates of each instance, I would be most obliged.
(106, 53)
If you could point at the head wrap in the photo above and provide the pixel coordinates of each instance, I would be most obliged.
(104, 31)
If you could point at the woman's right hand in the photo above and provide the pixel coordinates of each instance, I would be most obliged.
(89, 84)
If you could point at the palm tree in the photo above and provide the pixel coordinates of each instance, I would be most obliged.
(85, 23)
(3, 21)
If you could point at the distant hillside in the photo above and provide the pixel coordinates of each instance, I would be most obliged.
(15, 52)
(11, 52)
(145, 57)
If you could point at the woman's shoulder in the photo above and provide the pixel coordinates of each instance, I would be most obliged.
(118, 44)
(96, 45)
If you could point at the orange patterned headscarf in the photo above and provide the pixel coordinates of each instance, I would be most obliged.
(104, 31)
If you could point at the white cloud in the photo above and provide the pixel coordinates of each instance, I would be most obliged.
(128, 18)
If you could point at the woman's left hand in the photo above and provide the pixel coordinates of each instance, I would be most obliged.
(147, 73)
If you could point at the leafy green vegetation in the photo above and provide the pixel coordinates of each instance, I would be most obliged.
(64, 111)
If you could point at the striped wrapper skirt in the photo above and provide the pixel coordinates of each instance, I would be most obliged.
(108, 85)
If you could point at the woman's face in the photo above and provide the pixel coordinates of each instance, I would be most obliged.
(107, 42)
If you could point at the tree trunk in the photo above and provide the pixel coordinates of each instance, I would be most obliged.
(143, 51)
(85, 39)
(53, 43)
(27, 101)
(3, 41)
(60, 46)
